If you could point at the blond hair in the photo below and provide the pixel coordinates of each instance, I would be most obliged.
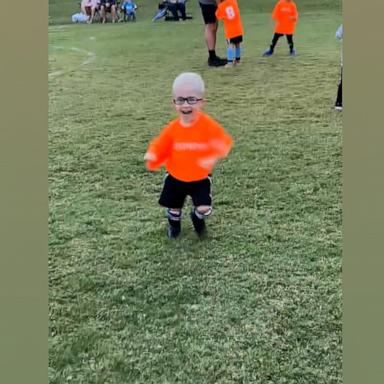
(190, 79)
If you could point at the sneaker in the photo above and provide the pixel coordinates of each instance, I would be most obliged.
(268, 52)
(229, 64)
(173, 232)
(293, 52)
(198, 225)
(216, 62)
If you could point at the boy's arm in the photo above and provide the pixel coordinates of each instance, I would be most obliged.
(159, 150)
(219, 13)
(222, 145)
(295, 15)
(275, 12)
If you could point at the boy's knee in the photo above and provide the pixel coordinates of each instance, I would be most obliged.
(174, 213)
(203, 211)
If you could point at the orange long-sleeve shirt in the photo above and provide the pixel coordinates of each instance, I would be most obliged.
(181, 149)
(285, 14)
(229, 12)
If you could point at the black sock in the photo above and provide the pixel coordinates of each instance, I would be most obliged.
(276, 37)
(237, 58)
(290, 42)
(174, 224)
(212, 54)
(198, 223)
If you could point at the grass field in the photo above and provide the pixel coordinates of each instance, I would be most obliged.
(260, 300)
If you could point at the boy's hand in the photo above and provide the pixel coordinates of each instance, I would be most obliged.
(220, 147)
(207, 162)
(150, 156)
(292, 18)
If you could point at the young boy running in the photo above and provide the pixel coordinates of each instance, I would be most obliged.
(285, 14)
(228, 11)
(189, 147)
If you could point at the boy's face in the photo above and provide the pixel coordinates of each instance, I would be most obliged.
(188, 103)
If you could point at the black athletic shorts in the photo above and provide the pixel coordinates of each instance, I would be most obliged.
(236, 39)
(175, 191)
(208, 12)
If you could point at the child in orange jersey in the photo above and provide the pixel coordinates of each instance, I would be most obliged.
(228, 11)
(285, 14)
(188, 147)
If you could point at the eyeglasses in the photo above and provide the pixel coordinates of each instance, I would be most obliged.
(190, 100)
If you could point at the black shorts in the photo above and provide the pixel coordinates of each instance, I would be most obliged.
(175, 191)
(110, 2)
(208, 12)
(236, 39)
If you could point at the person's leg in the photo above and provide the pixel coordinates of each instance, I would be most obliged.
(173, 9)
(292, 51)
(172, 198)
(237, 53)
(83, 10)
(174, 221)
(93, 11)
(231, 53)
(113, 13)
(202, 201)
(275, 38)
(339, 97)
(210, 31)
(103, 15)
(210, 37)
(181, 7)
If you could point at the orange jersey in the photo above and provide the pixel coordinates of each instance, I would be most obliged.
(285, 14)
(182, 148)
(229, 12)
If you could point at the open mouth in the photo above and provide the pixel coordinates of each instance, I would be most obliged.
(186, 112)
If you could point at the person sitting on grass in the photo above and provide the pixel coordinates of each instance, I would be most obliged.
(176, 7)
(88, 8)
(128, 7)
(188, 147)
(285, 14)
(108, 6)
(228, 11)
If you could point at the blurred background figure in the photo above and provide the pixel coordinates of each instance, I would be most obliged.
(110, 7)
(128, 7)
(339, 97)
(88, 8)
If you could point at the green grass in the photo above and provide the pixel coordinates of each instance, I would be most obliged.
(258, 302)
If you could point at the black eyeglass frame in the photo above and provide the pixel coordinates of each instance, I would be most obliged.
(191, 100)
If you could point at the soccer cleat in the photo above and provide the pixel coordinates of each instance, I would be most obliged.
(268, 52)
(216, 62)
(199, 225)
(292, 52)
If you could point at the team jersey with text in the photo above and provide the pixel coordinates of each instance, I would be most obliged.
(229, 12)
(181, 149)
(285, 14)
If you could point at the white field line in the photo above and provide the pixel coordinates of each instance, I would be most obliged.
(90, 57)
